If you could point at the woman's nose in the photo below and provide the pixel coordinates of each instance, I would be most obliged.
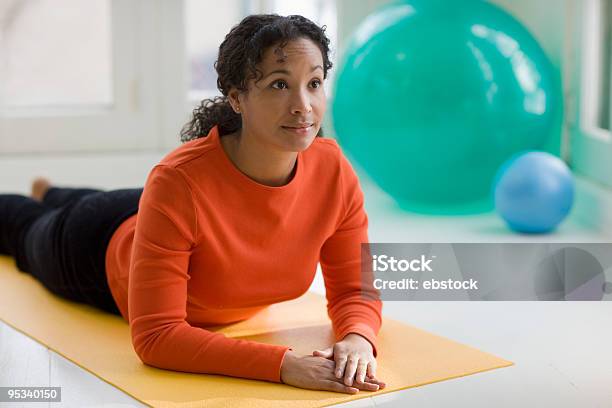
(300, 103)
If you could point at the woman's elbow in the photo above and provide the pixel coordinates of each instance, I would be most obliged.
(145, 352)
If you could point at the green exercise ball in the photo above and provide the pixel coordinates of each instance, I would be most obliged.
(433, 96)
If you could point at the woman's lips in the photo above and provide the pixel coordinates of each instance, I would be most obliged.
(298, 130)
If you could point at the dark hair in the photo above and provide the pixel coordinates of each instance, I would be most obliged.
(239, 53)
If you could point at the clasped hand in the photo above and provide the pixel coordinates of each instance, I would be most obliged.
(348, 366)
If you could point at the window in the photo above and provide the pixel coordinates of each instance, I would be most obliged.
(596, 68)
(55, 55)
(203, 37)
(78, 76)
(605, 113)
(116, 75)
(589, 89)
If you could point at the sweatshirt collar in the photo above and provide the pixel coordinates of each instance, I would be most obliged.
(245, 180)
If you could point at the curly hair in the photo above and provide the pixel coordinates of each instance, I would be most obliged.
(241, 50)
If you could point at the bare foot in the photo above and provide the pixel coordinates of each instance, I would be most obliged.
(40, 185)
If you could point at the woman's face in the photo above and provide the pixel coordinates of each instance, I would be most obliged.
(290, 94)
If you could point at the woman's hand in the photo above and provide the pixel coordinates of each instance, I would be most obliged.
(354, 360)
(317, 373)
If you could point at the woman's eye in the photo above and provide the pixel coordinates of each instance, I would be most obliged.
(278, 82)
(316, 81)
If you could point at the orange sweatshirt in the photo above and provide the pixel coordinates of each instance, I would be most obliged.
(211, 246)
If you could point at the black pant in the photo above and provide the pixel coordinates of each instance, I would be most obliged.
(62, 241)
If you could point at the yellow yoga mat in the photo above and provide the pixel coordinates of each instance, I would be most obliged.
(408, 357)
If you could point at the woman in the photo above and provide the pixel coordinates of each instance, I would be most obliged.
(233, 220)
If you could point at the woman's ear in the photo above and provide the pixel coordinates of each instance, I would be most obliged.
(232, 97)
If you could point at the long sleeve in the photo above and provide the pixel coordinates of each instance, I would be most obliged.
(353, 304)
(165, 235)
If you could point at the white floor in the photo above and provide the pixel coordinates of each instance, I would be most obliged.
(562, 350)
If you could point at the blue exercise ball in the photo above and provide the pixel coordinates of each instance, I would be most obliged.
(433, 96)
(533, 192)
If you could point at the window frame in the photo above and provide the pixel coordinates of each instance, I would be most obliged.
(590, 146)
(130, 123)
